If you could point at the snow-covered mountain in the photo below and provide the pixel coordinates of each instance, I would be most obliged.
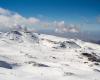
(32, 56)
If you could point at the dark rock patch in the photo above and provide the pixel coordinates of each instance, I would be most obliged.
(92, 57)
(97, 70)
(62, 45)
(40, 65)
(96, 63)
(68, 74)
(5, 65)
(53, 57)
(85, 62)
(31, 62)
(16, 32)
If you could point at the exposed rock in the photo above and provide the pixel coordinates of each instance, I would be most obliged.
(40, 65)
(68, 74)
(92, 57)
(5, 65)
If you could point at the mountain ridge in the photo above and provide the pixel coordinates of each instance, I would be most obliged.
(32, 56)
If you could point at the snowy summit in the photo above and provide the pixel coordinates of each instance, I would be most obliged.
(25, 55)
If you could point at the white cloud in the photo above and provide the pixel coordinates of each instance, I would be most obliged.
(32, 20)
(59, 24)
(4, 11)
(61, 27)
(9, 19)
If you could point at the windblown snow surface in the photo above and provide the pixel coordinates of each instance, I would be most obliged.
(32, 56)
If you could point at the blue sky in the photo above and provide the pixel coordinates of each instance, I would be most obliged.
(78, 12)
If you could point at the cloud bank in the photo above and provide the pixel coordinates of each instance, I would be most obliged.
(10, 19)
(61, 27)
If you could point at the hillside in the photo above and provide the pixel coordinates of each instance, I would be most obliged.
(33, 56)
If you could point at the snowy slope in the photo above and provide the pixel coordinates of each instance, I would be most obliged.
(30, 56)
